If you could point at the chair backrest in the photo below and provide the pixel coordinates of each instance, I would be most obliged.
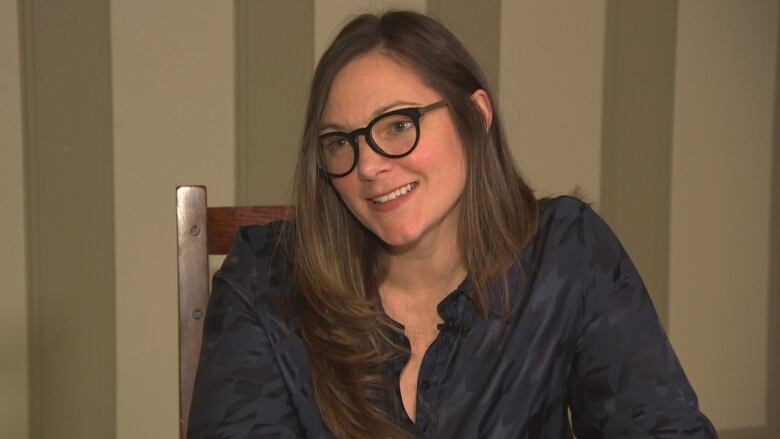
(203, 231)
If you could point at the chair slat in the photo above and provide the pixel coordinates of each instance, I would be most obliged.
(223, 222)
(193, 267)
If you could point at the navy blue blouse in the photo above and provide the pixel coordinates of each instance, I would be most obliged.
(583, 337)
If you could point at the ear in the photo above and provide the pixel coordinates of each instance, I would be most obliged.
(481, 98)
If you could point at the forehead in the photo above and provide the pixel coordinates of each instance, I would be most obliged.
(369, 83)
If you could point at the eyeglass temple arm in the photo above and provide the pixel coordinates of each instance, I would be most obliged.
(433, 106)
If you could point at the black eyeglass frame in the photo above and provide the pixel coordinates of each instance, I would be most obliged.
(414, 113)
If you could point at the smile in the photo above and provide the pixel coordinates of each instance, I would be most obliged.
(400, 192)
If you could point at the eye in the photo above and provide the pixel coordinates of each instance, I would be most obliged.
(333, 144)
(393, 126)
(401, 126)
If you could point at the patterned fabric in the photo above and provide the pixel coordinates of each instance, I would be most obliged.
(583, 336)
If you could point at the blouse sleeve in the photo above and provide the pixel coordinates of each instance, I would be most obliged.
(626, 380)
(239, 390)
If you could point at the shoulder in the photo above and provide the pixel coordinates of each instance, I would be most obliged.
(575, 243)
(257, 266)
(562, 212)
(568, 223)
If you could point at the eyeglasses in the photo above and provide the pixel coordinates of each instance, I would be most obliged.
(393, 135)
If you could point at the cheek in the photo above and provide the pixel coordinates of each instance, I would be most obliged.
(447, 159)
(346, 188)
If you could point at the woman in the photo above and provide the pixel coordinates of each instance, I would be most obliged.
(422, 290)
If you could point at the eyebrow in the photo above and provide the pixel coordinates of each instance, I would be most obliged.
(377, 112)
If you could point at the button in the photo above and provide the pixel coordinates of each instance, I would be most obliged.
(425, 385)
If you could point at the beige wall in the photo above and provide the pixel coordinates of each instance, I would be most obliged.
(636, 153)
(550, 82)
(721, 174)
(174, 115)
(65, 57)
(173, 101)
(13, 312)
(271, 88)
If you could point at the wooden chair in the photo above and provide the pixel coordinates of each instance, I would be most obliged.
(203, 231)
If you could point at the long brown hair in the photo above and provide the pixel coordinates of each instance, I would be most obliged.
(336, 263)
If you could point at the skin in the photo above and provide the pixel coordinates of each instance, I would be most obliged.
(420, 228)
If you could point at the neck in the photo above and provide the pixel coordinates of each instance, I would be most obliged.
(416, 281)
(428, 268)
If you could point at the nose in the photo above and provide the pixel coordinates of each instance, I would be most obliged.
(370, 163)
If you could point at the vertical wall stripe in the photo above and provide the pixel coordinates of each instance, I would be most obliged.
(272, 86)
(772, 428)
(720, 232)
(173, 110)
(66, 80)
(773, 392)
(637, 135)
(478, 26)
(552, 75)
(14, 389)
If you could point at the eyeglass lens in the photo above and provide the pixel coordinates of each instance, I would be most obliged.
(394, 134)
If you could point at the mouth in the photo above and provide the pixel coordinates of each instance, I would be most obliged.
(398, 193)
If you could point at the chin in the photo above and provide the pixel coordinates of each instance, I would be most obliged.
(396, 242)
(398, 236)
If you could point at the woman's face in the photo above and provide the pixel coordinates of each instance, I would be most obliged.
(435, 171)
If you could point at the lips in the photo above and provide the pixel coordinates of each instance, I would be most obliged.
(392, 195)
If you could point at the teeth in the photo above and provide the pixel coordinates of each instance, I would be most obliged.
(395, 194)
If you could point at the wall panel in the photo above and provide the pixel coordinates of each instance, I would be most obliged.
(551, 68)
(272, 83)
(478, 26)
(66, 65)
(637, 135)
(173, 66)
(720, 205)
(14, 395)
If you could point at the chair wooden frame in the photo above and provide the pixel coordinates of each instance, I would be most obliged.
(203, 231)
